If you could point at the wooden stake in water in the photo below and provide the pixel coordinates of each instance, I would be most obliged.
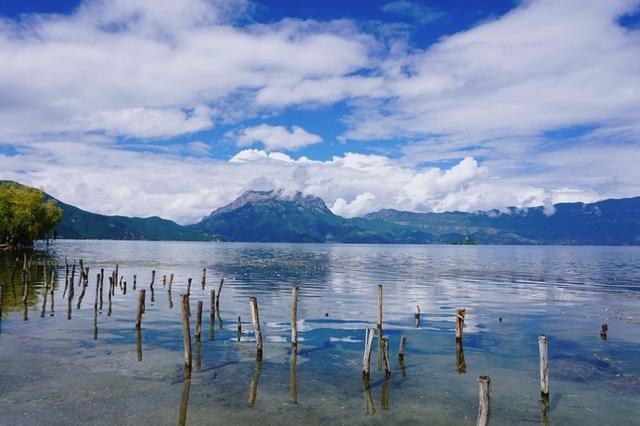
(368, 345)
(460, 312)
(135, 281)
(164, 280)
(140, 310)
(255, 319)
(379, 305)
(239, 328)
(212, 308)
(544, 365)
(95, 302)
(294, 316)
(385, 355)
(403, 341)
(218, 294)
(170, 280)
(604, 328)
(153, 278)
(198, 319)
(484, 409)
(204, 277)
(186, 331)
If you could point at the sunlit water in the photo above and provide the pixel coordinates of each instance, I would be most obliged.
(71, 366)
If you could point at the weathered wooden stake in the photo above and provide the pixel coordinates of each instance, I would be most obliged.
(484, 409)
(218, 294)
(544, 364)
(460, 312)
(135, 281)
(239, 328)
(170, 280)
(140, 310)
(189, 287)
(379, 305)
(95, 303)
(164, 280)
(403, 341)
(153, 278)
(198, 319)
(204, 277)
(385, 355)
(212, 311)
(294, 316)
(604, 328)
(255, 319)
(186, 331)
(417, 311)
(368, 345)
(115, 275)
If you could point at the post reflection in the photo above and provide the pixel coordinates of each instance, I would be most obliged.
(253, 387)
(293, 380)
(369, 406)
(184, 400)
(461, 365)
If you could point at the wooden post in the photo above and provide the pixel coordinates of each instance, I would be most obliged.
(255, 319)
(135, 281)
(189, 287)
(294, 316)
(153, 278)
(170, 280)
(417, 311)
(459, 322)
(212, 309)
(186, 331)
(140, 309)
(484, 409)
(124, 287)
(544, 365)
(95, 302)
(385, 354)
(164, 280)
(403, 341)
(604, 328)
(239, 328)
(379, 305)
(198, 319)
(115, 276)
(204, 277)
(368, 345)
(218, 294)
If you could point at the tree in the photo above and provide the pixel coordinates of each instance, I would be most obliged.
(25, 215)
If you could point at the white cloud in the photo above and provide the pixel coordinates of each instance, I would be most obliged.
(363, 203)
(277, 137)
(146, 69)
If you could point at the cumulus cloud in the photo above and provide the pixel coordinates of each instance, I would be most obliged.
(147, 69)
(277, 137)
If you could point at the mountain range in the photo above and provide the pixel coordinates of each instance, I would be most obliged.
(271, 216)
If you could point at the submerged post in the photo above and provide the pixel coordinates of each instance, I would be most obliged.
(186, 331)
(153, 279)
(604, 328)
(198, 319)
(368, 345)
(294, 316)
(544, 365)
(255, 319)
(460, 312)
(484, 409)
(204, 277)
(385, 355)
(140, 309)
(403, 341)
(379, 305)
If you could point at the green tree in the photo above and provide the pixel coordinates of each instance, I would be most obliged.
(25, 215)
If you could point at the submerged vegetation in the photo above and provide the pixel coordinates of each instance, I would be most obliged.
(25, 216)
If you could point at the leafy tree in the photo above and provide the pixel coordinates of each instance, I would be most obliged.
(25, 215)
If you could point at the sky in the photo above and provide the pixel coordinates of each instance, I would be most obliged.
(175, 108)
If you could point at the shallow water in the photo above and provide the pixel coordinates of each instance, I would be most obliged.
(89, 367)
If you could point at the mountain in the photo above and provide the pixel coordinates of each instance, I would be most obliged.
(608, 222)
(272, 216)
(80, 224)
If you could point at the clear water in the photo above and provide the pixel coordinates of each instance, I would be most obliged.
(71, 366)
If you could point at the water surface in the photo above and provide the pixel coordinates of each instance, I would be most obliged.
(71, 364)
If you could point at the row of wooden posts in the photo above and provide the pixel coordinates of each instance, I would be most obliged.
(383, 343)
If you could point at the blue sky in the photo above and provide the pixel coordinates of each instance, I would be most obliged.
(174, 108)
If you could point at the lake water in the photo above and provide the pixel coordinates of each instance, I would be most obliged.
(75, 365)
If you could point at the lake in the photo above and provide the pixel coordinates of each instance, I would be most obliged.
(71, 364)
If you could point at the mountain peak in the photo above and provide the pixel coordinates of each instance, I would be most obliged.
(300, 200)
